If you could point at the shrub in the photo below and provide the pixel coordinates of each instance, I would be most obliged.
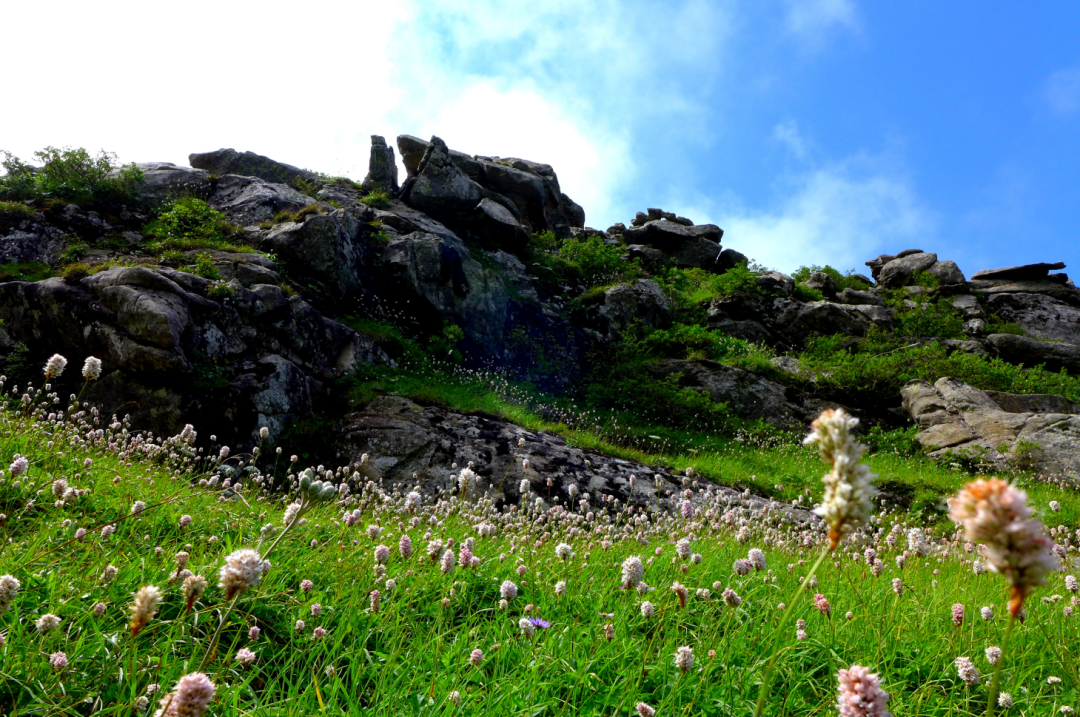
(15, 210)
(191, 223)
(74, 252)
(842, 281)
(71, 175)
(996, 325)
(597, 262)
(305, 187)
(204, 267)
(220, 290)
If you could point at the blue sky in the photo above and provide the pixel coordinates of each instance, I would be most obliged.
(812, 131)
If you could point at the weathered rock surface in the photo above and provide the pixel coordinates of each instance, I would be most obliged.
(954, 416)
(1032, 352)
(324, 249)
(382, 169)
(1040, 316)
(406, 439)
(159, 335)
(248, 201)
(249, 164)
(30, 239)
(696, 246)
(623, 304)
(1027, 272)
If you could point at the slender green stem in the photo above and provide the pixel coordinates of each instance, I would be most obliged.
(217, 633)
(997, 668)
(765, 679)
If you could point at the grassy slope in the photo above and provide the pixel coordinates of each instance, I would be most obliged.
(410, 656)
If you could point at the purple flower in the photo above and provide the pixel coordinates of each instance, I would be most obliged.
(537, 622)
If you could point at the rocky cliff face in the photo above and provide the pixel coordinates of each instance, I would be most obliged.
(241, 339)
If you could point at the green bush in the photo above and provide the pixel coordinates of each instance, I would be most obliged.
(70, 175)
(204, 267)
(597, 262)
(190, 223)
(15, 210)
(305, 187)
(995, 325)
(842, 281)
(690, 341)
(74, 252)
(924, 315)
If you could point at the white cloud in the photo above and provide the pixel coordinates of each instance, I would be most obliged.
(840, 214)
(1062, 91)
(787, 134)
(811, 20)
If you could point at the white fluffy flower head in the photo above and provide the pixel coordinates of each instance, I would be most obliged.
(848, 487)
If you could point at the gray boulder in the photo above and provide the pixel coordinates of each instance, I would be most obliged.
(901, 270)
(247, 201)
(956, 417)
(497, 228)
(773, 282)
(820, 281)
(30, 239)
(323, 249)
(1026, 272)
(641, 301)
(947, 273)
(165, 181)
(435, 278)
(382, 169)
(1032, 352)
(691, 247)
(729, 259)
(856, 297)
(249, 164)
(1039, 315)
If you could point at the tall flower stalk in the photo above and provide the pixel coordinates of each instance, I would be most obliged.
(995, 514)
(846, 505)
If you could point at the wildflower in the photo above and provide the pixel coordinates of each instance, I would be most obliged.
(447, 561)
(138, 507)
(684, 659)
(318, 633)
(800, 635)
(996, 514)
(967, 671)
(316, 609)
(849, 615)
(680, 591)
(375, 598)
(1070, 583)
(253, 633)
(55, 366)
(756, 558)
(193, 588)
(191, 698)
(563, 551)
(47, 623)
(978, 568)
(143, 609)
(958, 614)
(987, 613)
(897, 586)
(476, 657)
(19, 466)
(848, 489)
(861, 694)
(632, 572)
(609, 631)
(528, 629)
(822, 604)
(917, 542)
(742, 567)
(647, 609)
(1005, 700)
(300, 625)
(1053, 680)
(9, 590)
(185, 521)
(58, 661)
(141, 703)
(1055, 506)
(382, 554)
(242, 571)
(731, 598)
(682, 548)
(99, 609)
(91, 369)
(245, 656)
(644, 710)
(508, 590)
(455, 698)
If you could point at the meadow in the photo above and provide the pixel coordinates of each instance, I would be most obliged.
(129, 556)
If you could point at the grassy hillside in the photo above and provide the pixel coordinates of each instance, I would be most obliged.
(123, 502)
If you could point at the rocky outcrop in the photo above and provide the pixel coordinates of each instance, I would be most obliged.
(424, 446)
(248, 164)
(689, 246)
(326, 250)
(1033, 431)
(610, 313)
(1027, 272)
(161, 335)
(248, 201)
(1032, 352)
(382, 169)
(747, 395)
(30, 239)
(449, 185)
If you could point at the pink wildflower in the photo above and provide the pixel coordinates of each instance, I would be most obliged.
(861, 694)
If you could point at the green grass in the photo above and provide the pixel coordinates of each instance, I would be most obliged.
(25, 271)
(411, 655)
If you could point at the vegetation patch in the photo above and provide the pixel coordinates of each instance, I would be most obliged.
(68, 175)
